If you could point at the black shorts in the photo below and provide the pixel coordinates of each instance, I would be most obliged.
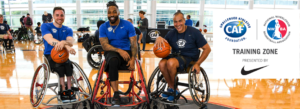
(111, 54)
(183, 61)
(62, 69)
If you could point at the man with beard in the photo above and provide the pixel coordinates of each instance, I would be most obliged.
(185, 42)
(118, 39)
(59, 36)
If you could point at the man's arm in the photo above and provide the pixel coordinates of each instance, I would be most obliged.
(206, 51)
(106, 46)
(141, 37)
(133, 46)
(70, 41)
(49, 38)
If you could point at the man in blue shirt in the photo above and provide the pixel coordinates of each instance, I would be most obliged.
(188, 22)
(118, 39)
(185, 42)
(59, 36)
(5, 35)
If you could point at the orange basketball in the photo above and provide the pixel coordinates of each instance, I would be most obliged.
(59, 56)
(162, 51)
(200, 30)
(205, 30)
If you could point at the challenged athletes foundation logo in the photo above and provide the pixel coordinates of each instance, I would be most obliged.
(235, 28)
(277, 29)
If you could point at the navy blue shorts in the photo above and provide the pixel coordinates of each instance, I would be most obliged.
(182, 64)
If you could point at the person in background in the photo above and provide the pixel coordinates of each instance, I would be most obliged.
(137, 32)
(143, 26)
(7, 25)
(99, 23)
(47, 17)
(22, 21)
(28, 23)
(188, 22)
(38, 29)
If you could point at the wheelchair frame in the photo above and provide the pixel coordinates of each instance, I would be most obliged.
(130, 91)
(78, 91)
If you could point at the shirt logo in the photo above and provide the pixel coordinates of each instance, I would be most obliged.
(64, 30)
(2, 27)
(181, 43)
(109, 29)
(122, 27)
(54, 30)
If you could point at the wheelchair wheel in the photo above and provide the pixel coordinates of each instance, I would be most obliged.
(38, 39)
(82, 80)
(98, 82)
(94, 56)
(142, 77)
(39, 85)
(199, 87)
(156, 83)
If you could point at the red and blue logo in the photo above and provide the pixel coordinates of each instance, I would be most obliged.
(277, 30)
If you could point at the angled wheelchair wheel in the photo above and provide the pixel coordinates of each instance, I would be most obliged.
(143, 82)
(199, 87)
(99, 82)
(82, 80)
(39, 85)
(94, 56)
(156, 83)
(37, 39)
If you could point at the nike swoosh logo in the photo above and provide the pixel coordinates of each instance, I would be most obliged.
(61, 55)
(251, 71)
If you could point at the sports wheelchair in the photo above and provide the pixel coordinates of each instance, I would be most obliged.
(40, 83)
(24, 34)
(137, 87)
(4, 50)
(38, 39)
(198, 86)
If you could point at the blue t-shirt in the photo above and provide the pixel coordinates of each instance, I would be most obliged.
(119, 39)
(189, 22)
(3, 28)
(57, 33)
(186, 43)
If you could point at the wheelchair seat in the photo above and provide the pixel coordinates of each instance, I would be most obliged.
(187, 70)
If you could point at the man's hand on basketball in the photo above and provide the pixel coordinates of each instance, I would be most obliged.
(71, 50)
(197, 68)
(131, 64)
(160, 42)
(124, 54)
(60, 45)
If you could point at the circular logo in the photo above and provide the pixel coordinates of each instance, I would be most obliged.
(277, 29)
(154, 34)
(109, 29)
(2, 27)
(54, 30)
(235, 29)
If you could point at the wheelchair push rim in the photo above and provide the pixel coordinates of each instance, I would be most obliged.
(41, 92)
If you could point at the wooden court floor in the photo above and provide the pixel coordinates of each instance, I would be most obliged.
(17, 69)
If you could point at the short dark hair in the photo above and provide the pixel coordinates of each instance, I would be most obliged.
(112, 3)
(28, 14)
(129, 19)
(189, 16)
(5, 21)
(58, 8)
(142, 12)
(99, 23)
(23, 16)
(38, 23)
(178, 12)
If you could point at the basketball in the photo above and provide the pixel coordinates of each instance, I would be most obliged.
(163, 51)
(59, 56)
(200, 30)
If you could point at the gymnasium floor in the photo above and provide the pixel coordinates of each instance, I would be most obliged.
(16, 72)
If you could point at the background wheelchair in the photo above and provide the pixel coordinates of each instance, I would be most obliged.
(38, 39)
(24, 34)
(198, 86)
(95, 53)
(40, 83)
(137, 87)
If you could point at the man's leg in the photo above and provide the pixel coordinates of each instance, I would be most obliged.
(144, 40)
(10, 41)
(164, 70)
(113, 73)
(172, 65)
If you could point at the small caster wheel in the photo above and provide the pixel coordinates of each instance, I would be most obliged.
(102, 92)
(139, 92)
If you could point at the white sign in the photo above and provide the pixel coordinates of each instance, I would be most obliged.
(256, 44)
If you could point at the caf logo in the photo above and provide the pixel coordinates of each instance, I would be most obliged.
(277, 29)
(235, 28)
(2, 27)
(54, 30)
(154, 34)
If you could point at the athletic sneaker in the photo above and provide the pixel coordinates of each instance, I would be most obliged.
(165, 96)
(72, 95)
(171, 98)
(116, 101)
(64, 96)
